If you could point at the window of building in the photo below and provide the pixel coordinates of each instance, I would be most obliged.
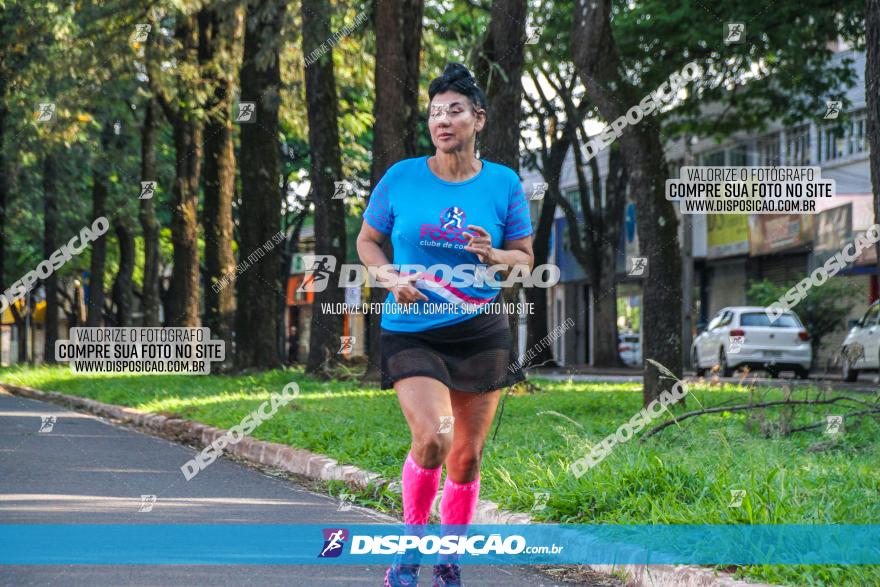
(738, 156)
(797, 145)
(714, 159)
(838, 141)
(829, 140)
(768, 150)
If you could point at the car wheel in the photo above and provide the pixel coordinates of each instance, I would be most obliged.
(802, 373)
(849, 374)
(726, 371)
(695, 361)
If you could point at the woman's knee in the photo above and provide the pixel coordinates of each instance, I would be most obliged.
(431, 447)
(464, 463)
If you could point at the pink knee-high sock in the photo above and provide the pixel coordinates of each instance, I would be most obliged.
(459, 501)
(457, 507)
(419, 490)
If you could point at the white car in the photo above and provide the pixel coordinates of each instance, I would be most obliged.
(629, 345)
(861, 347)
(742, 336)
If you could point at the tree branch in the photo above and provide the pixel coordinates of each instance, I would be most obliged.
(744, 407)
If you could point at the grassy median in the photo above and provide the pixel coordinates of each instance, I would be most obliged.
(683, 475)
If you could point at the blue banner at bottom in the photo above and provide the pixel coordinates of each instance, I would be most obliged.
(291, 544)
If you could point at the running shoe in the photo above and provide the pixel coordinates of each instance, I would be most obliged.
(402, 576)
(448, 575)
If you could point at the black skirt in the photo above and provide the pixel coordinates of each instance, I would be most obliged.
(473, 355)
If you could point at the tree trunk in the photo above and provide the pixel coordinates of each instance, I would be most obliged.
(122, 286)
(499, 141)
(551, 172)
(4, 194)
(599, 66)
(604, 239)
(184, 225)
(217, 40)
(504, 48)
(538, 328)
(50, 230)
(79, 304)
(872, 94)
(259, 217)
(149, 224)
(21, 328)
(399, 23)
(593, 240)
(4, 188)
(326, 167)
(185, 295)
(99, 245)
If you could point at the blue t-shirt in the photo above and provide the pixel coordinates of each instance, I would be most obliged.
(427, 218)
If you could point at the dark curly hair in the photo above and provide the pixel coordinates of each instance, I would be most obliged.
(457, 78)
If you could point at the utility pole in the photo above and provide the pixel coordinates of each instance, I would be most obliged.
(687, 270)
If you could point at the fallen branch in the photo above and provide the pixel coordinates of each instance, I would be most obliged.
(845, 416)
(743, 407)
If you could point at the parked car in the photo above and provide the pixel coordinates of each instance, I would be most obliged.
(861, 347)
(742, 336)
(629, 345)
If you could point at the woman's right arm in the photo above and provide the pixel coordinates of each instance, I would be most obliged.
(369, 247)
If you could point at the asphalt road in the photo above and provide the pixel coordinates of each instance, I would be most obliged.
(88, 471)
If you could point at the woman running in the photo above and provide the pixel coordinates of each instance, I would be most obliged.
(448, 366)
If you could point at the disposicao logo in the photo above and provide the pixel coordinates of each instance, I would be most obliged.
(334, 541)
(451, 227)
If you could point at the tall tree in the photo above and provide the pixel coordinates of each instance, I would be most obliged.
(182, 111)
(500, 70)
(398, 27)
(4, 188)
(122, 292)
(872, 96)
(599, 65)
(603, 220)
(593, 236)
(31, 39)
(150, 301)
(256, 316)
(17, 48)
(555, 137)
(50, 231)
(324, 170)
(100, 191)
(219, 32)
(779, 74)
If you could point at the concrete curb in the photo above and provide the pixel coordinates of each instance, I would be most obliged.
(317, 466)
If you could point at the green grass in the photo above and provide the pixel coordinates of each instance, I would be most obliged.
(684, 475)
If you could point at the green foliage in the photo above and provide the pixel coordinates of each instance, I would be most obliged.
(783, 70)
(79, 57)
(823, 310)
